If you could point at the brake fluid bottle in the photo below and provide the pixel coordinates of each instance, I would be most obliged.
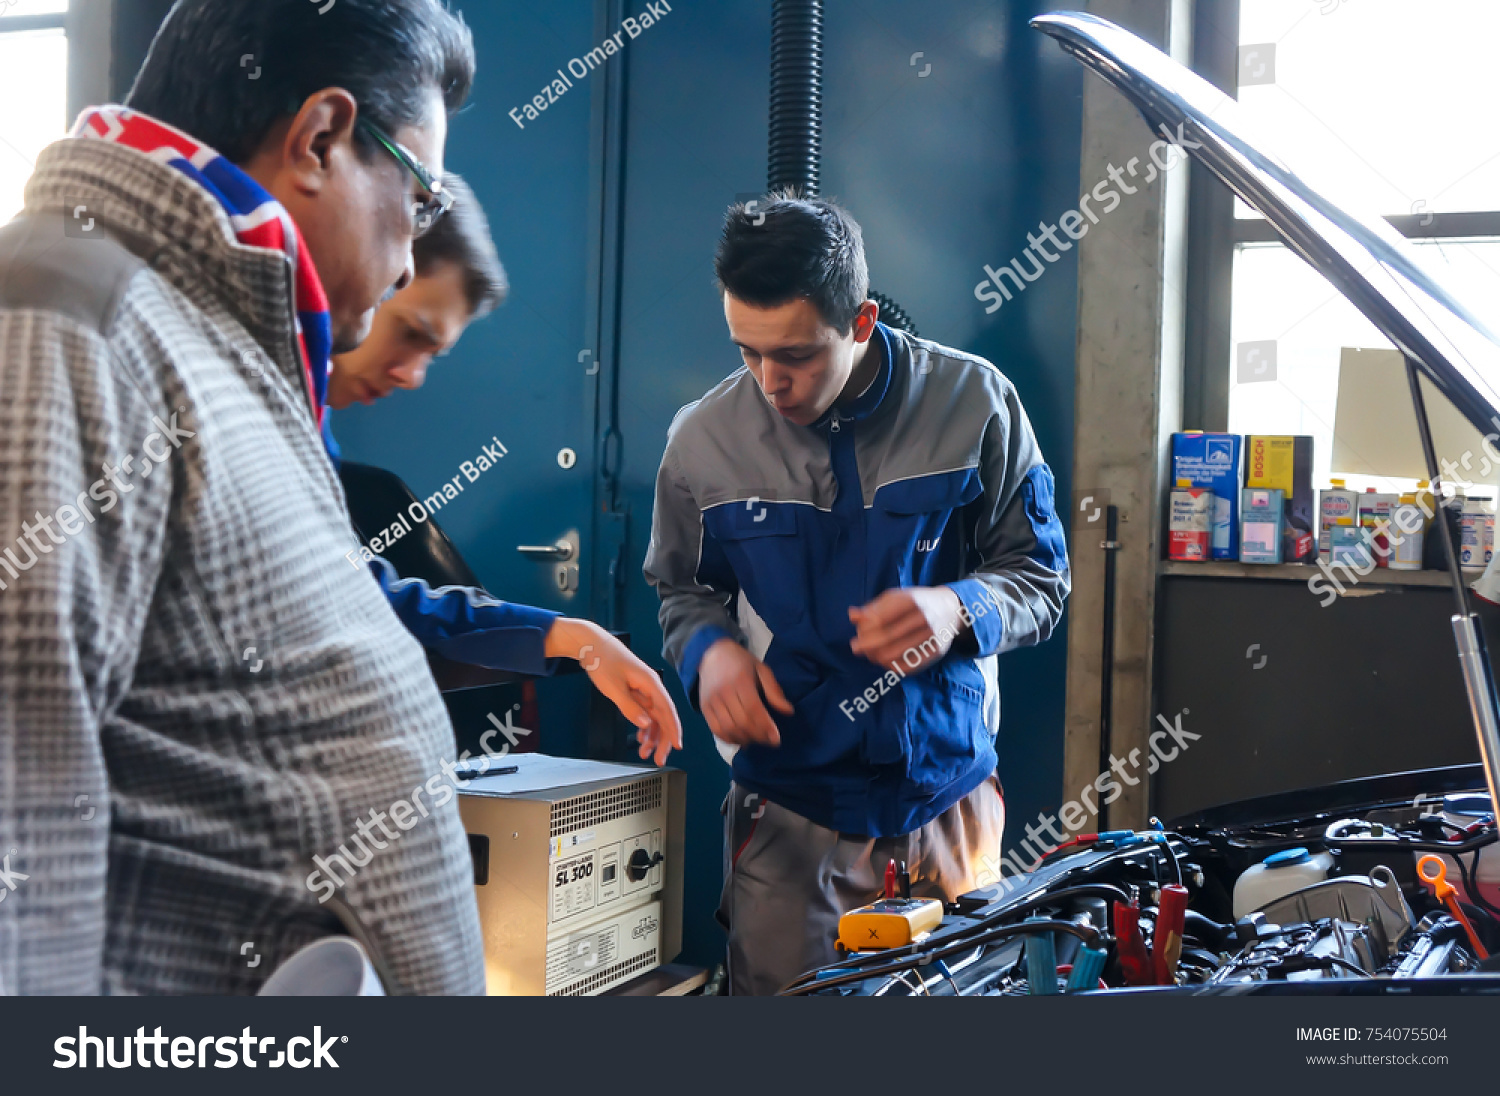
(1190, 523)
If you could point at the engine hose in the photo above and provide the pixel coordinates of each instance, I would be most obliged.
(1083, 890)
(1471, 884)
(892, 314)
(796, 125)
(1206, 929)
(796, 152)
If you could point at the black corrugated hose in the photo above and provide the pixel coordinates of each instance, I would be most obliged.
(796, 152)
(796, 146)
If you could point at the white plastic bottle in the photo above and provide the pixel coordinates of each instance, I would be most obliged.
(1279, 875)
(1335, 502)
(1407, 553)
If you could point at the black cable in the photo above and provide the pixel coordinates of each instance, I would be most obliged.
(1083, 890)
(799, 987)
(1471, 884)
(1477, 893)
(873, 958)
(1087, 935)
(871, 964)
(1478, 841)
(1165, 842)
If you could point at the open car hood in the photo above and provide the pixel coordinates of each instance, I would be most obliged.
(1365, 259)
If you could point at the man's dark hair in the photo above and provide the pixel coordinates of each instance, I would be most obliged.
(462, 237)
(225, 71)
(782, 247)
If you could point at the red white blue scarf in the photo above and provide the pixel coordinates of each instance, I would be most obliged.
(259, 220)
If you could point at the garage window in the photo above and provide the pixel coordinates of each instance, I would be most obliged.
(34, 87)
(1391, 107)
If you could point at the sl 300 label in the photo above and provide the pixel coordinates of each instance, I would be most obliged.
(572, 886)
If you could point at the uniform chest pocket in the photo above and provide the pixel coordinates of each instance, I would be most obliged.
(760, 541)
(943, 491)
(917, 542)
(736, 521)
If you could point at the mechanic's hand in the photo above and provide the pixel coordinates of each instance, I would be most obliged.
(924, 619)
(635, 688)
(731, 686)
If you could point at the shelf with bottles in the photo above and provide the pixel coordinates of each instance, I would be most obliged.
(1303, 572)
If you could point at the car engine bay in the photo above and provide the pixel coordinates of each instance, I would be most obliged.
(1381, 885)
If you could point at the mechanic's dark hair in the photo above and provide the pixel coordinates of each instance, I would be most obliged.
(784, 246)
(225, 71)
(462, 237)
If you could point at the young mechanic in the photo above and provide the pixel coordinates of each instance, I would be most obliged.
(459, 279)
(876, 511)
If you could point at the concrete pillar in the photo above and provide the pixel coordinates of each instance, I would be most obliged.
(1128, 402)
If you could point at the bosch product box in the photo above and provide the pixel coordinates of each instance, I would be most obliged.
(1284, 463)
(1213, 461)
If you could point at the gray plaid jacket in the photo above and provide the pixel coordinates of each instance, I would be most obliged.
(163, 787)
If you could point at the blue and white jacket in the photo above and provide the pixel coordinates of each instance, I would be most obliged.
(768, 532)
(463, 623)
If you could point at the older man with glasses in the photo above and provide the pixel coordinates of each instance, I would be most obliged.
(198, 695)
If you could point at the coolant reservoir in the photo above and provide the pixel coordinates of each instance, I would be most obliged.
(1279, 875)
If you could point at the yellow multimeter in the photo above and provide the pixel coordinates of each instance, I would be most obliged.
(889, 923)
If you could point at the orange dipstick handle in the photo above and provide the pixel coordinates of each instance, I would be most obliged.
(1433, 871)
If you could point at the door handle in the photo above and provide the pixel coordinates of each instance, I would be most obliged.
(560, 552)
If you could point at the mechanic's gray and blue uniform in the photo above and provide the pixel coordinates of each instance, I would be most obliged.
(463, 623)
(768, 532)
(932, 477)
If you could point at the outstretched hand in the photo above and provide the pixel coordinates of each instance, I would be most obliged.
(635, 688)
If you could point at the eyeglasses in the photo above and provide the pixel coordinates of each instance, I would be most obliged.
(424, 214)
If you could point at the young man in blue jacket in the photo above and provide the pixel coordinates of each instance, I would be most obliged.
(458, 279)
(847, 531)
